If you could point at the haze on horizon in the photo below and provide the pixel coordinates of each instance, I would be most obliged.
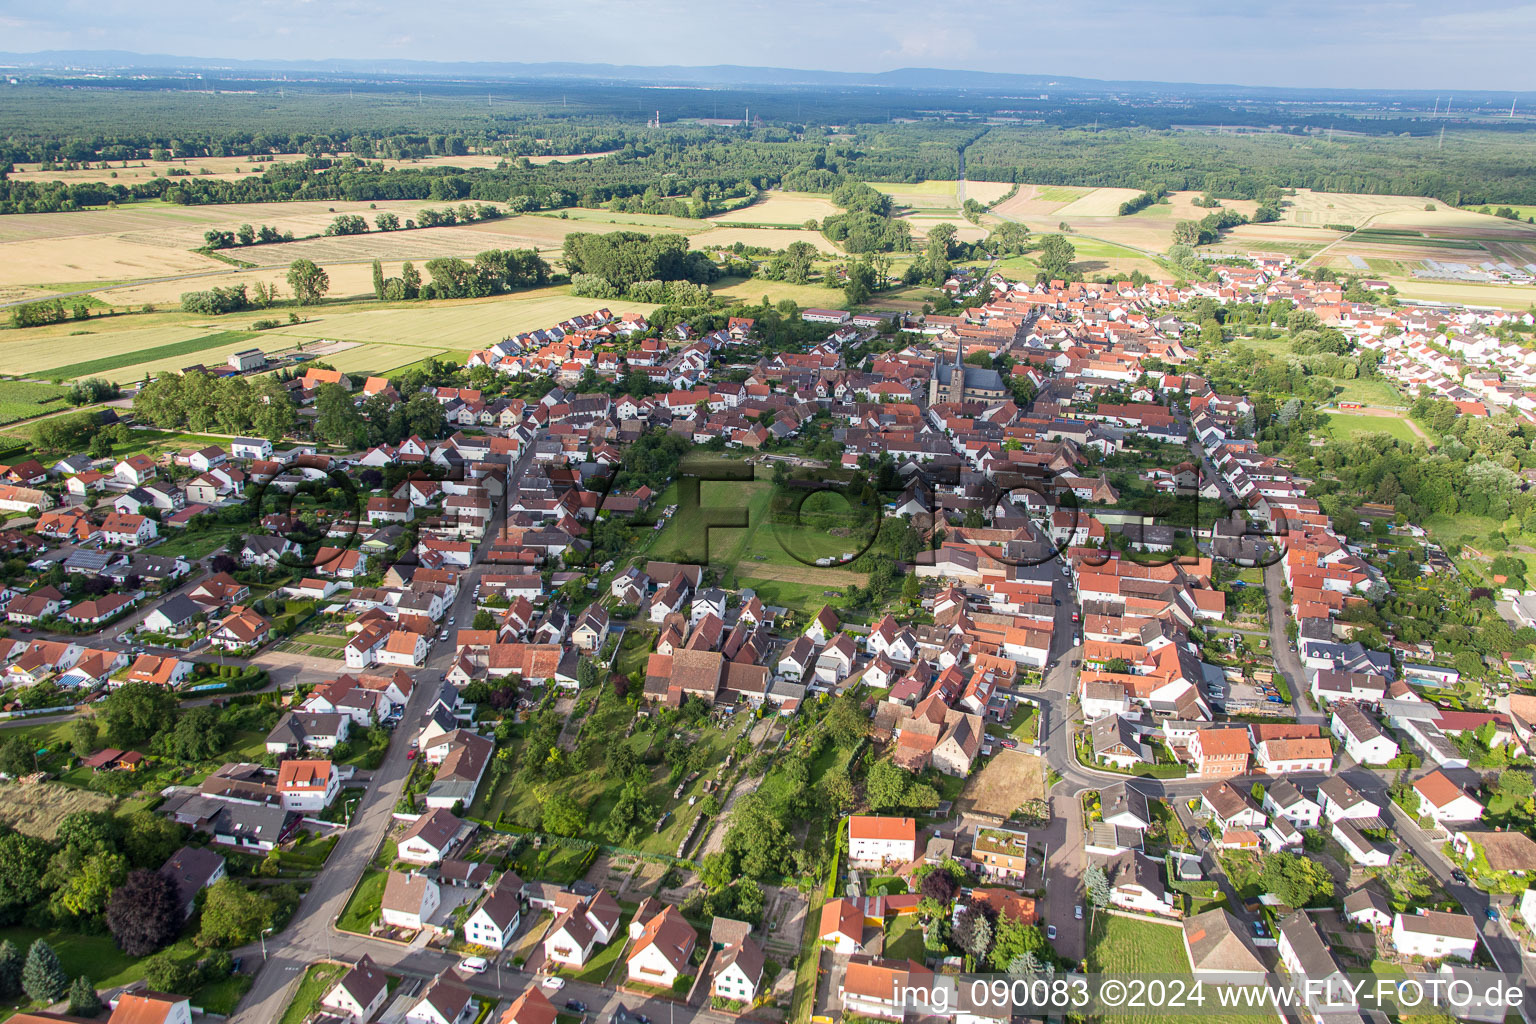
(1377, 44)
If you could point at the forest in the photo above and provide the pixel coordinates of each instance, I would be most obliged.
(687, 168)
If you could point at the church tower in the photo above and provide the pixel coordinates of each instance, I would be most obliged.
(957, 374)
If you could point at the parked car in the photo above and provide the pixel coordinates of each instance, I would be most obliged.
(410, 755)
(576, 1006)
(1258, 929)
(1205, 833)
(474, 964)
(1459, 876)
(1077, 912)
(1050, 932)
(553, 983)
(1493, 913)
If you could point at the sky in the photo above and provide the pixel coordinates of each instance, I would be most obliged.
(1384, 44)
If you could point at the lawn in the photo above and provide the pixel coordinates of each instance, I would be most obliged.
(597, 969)
(1370, 390)
(1121, 946)
(362, 910)
(23, 399)
(317, 981)
(1345, 426)
(904, 938)
(221, 997)
(95, 956)
(751, 289)
(195, 546)
(231, 340)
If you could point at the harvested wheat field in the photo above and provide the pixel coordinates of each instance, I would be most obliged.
(987, 191)
(52, 260)
(218, 168)
(460, 324)
(922, 223)
(1319, 208)
(37, 809)
(1101, 202)
(1008, 780)
(792, 208)
(771, 238)
(183, 226)
(421, 244)
(348, 280)
(1037, 203)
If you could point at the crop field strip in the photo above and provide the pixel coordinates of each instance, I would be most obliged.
(138, 357)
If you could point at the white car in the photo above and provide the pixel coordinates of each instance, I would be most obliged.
(553, 983)
(474, 964)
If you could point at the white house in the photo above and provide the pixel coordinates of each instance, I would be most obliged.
(445, 1002)
(1364, 740)
(495, 920)
(581, 926)
(661, 954)
(1444, 801)
(409, 900)
(737, 973)
(875, 842)
(1284, 800)
(1339, 799)
(1434, 935)
(430, 838)
(360, 992)
(307, 786)
(1136, 883)
(250, 448)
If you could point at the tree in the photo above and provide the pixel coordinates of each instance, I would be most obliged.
(10, 970)
(1295, 881)
(23, 865)
(134, 712)
(17, 757)
(886, 786)
(149, 839)
(233, 915)
(1025, 965)
(87, 831)
(846, 722)
(378, 280)
(338, 420)
(939, 885)
(83, 1000)
(563, 815)
(171, 972)
(973, 932)
(145, 913)
(1097, 885)
(1055, 256)
(1516, 784)
(85, 881)
(42, 976)
(484, 620)
(308, 281)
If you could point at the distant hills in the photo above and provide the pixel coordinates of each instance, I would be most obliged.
(719, 75)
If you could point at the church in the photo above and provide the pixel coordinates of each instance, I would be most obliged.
(956, 382)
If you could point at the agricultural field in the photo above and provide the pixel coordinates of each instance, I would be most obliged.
(93, 258)
(919, 194)
(348, 281)
(208, 348)
(69, 343)
(1101, 202)
(923, 222)
(368, 360)
(752, 289)
(23, 399)
(1319, 208)
(462, 324)
(772, 238)
(788, 208)
(1504, 296)
(987, 191)
(420, 244)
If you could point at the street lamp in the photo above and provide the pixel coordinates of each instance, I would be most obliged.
(264, 933)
